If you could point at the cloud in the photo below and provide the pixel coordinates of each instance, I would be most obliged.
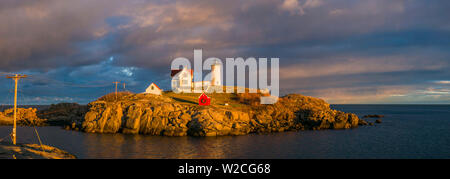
(46, 34)
(434, 91)
(442, 82)
(353, 66)
(296, 8)
(293, 7)
(312, 3)
(394, 94)
(150, 33)
(322, 45)
(358, 95)
(337, 12)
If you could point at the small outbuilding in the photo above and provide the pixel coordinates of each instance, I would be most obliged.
(204, 100)
(153, 89)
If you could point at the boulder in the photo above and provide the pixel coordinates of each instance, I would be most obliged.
(362, 122)
(373, 116)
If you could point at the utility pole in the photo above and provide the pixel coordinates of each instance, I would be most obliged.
(16, 78)
(116, 82)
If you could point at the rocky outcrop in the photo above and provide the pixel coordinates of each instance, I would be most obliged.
(63, 113)
(160, 115)
(56, 114)
(373, 116)
(25, 117)
(32, 151)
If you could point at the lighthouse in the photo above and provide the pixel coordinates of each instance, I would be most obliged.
(216, 77)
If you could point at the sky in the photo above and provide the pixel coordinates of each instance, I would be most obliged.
(344, 51)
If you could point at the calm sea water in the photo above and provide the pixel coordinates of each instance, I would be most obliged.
(407, 131)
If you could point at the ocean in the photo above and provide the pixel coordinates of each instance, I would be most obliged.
(406, 131)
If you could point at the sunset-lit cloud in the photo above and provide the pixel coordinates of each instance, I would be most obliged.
(442, 82)
(346, 51)
(357, 66)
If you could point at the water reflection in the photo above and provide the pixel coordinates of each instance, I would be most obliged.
(140, 146)
(116, 145)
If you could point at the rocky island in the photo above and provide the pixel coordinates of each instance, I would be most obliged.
(229, 114)
(172, 114)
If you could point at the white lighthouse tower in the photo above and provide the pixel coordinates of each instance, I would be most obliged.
(216, 77)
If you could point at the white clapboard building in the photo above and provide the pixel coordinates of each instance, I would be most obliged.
(182, 80)
(153, 89)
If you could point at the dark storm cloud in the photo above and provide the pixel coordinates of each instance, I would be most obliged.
(47, 34)
(343, 50)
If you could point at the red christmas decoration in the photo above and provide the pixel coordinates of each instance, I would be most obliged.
(204, 100)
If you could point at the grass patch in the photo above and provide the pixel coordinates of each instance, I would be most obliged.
(233, 100)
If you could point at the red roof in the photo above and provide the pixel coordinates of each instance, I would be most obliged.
(174, 72)
(156, 86)
(203, 95)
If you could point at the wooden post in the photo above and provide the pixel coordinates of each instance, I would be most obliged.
(16, 78)
(116, 82)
